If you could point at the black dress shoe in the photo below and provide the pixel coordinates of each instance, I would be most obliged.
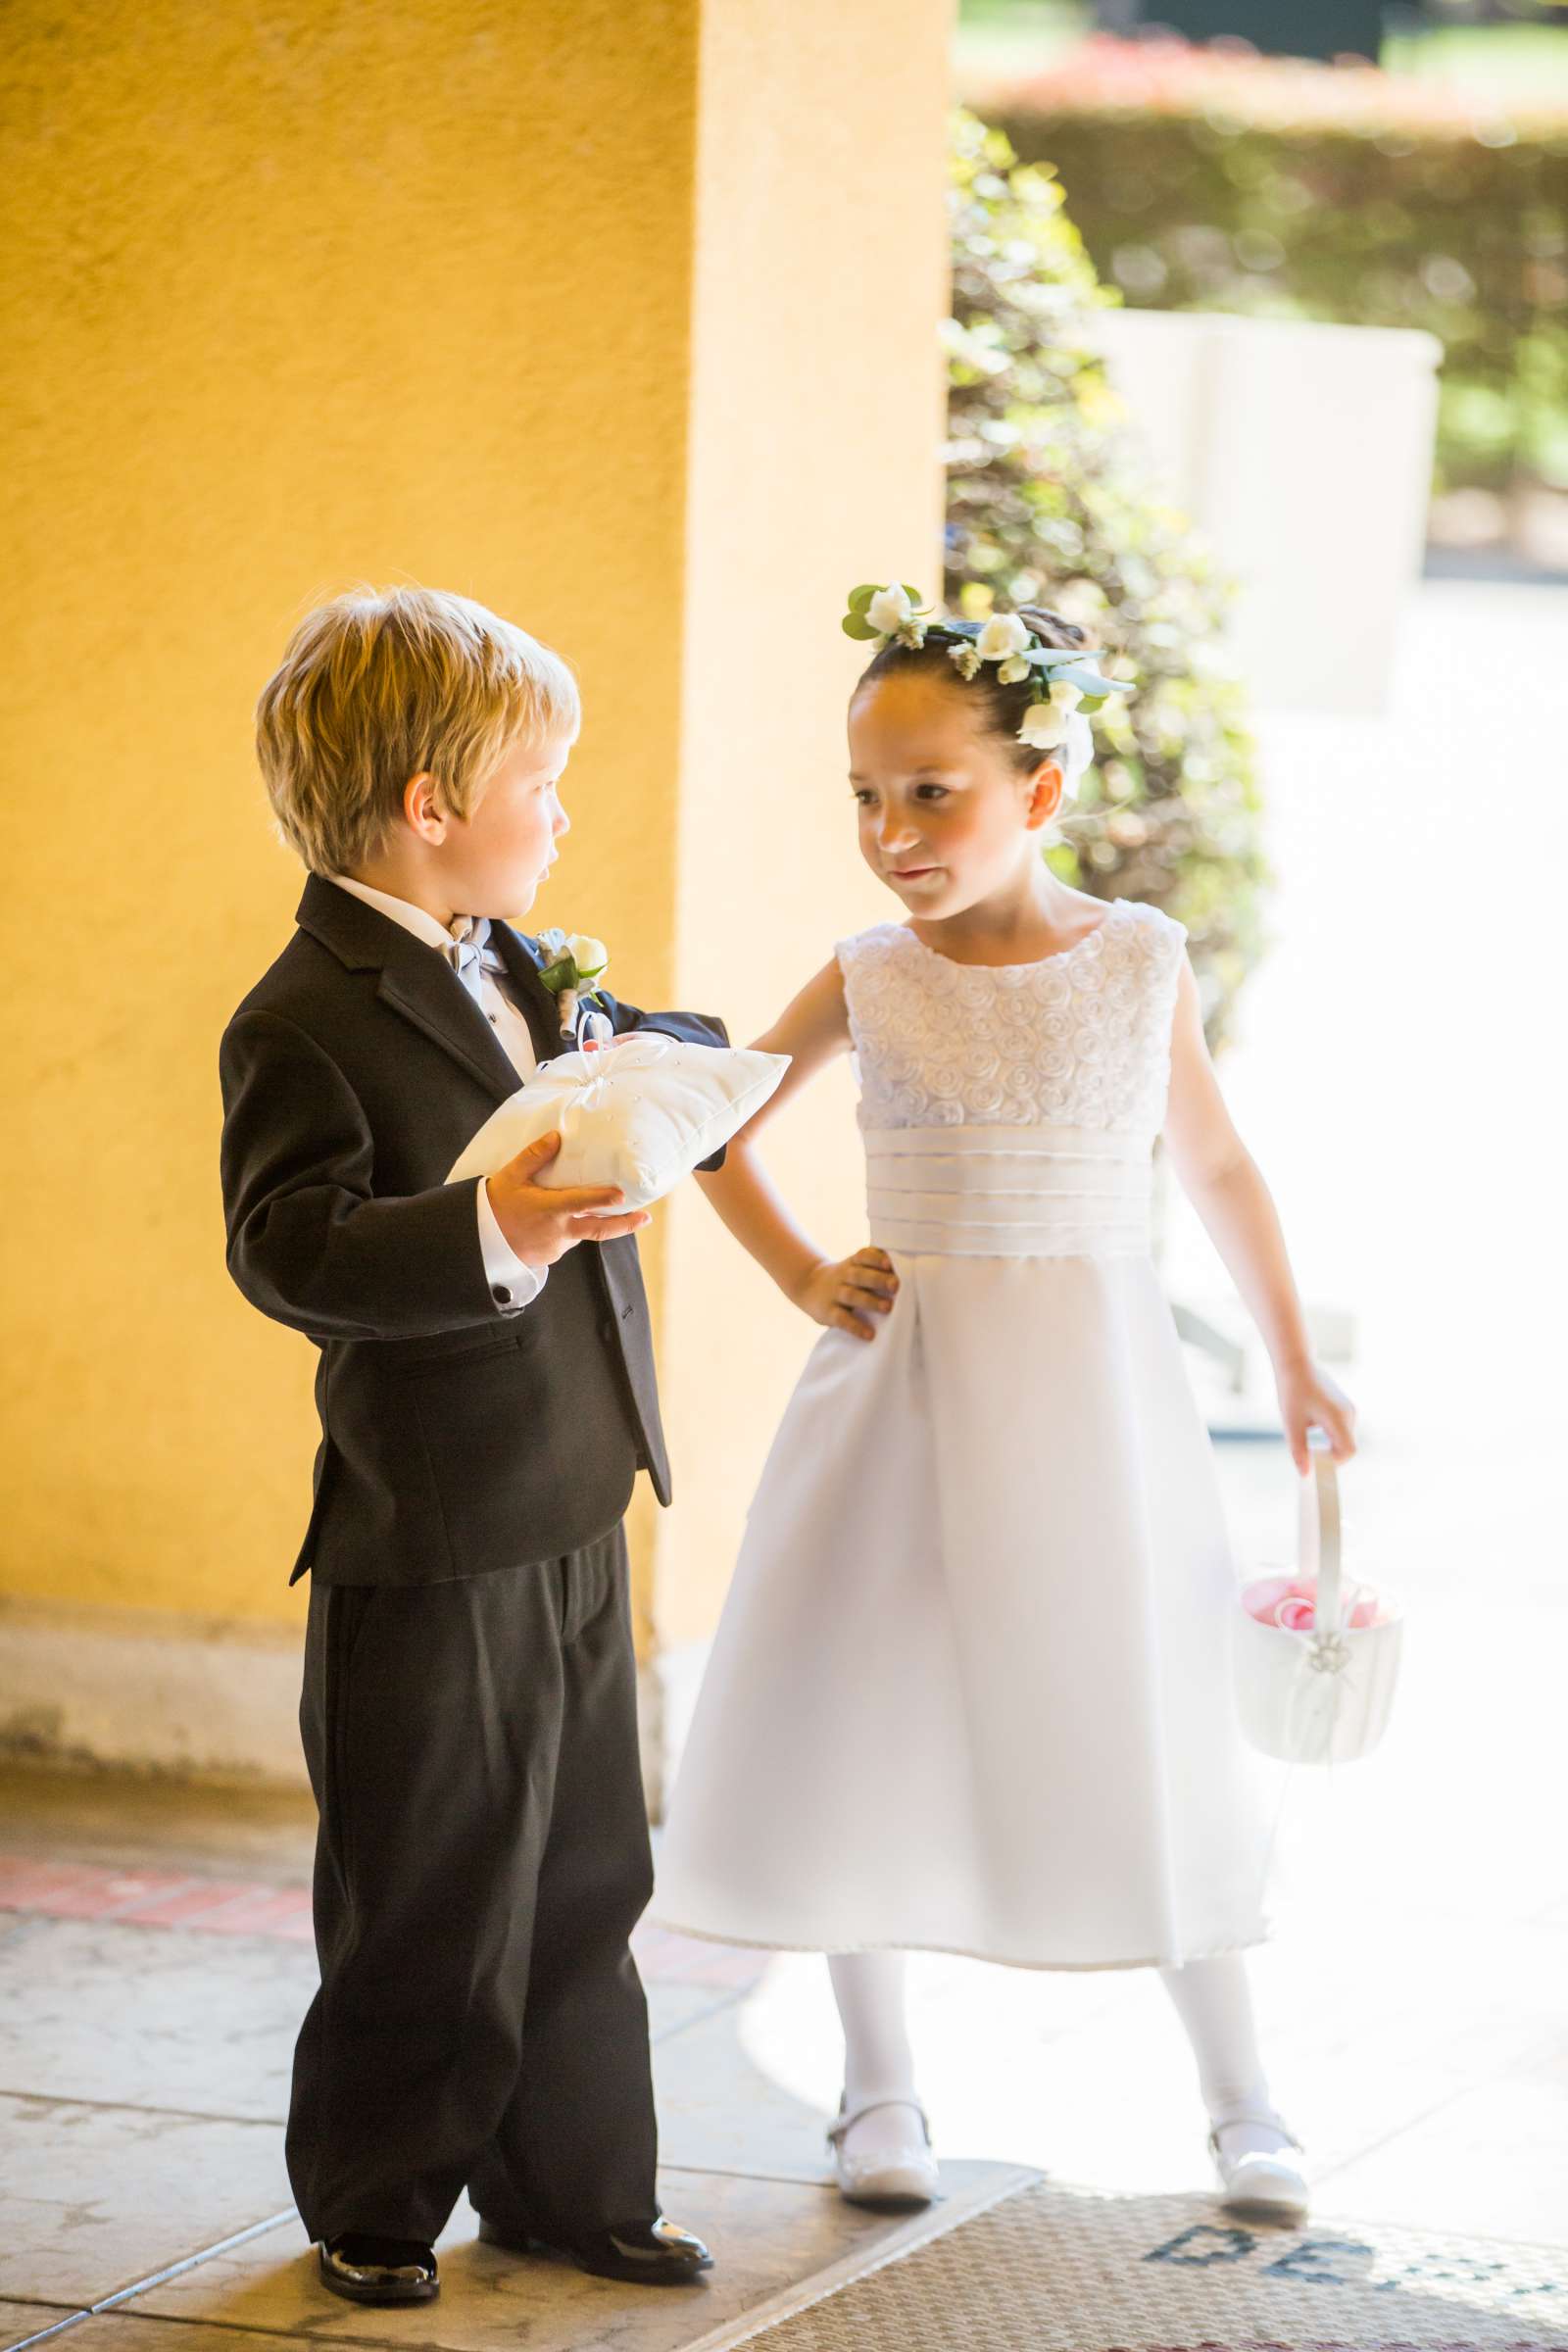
(379, 2270)
(642, 2253)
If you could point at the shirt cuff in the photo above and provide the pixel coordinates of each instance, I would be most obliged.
(513, 1284)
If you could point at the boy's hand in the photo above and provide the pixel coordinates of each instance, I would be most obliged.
(846, 1292)
(542, 1222)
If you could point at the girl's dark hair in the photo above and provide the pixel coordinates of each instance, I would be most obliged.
(1001, 708)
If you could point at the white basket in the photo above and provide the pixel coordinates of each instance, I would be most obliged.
(1320, 1696)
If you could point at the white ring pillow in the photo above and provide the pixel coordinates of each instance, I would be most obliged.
(640, 1113)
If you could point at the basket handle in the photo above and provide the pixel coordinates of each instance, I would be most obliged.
(1320, 1532)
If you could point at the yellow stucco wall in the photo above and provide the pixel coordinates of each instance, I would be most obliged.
(580, 311)
(817, 416)
(295, 295)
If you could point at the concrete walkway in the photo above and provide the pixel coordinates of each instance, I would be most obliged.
(154, 1960)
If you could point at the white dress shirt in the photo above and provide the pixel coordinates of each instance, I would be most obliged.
(513, 1284)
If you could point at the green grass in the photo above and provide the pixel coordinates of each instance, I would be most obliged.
(1502, 62)
(1023, 16)
(1017, 36)
(1505, 62)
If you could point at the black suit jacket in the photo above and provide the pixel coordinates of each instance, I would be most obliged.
(455, 1440)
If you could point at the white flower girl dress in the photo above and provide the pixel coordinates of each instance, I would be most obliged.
(972, 1690)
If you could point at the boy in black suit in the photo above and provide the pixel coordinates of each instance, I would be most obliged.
(486, 1395)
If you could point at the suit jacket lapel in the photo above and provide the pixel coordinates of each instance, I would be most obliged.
(429, 994)
(415, 980)
(524, 963)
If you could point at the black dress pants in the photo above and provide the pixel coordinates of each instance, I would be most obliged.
(481, 1860)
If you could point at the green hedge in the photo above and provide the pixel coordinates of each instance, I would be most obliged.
(1048, 501)
(1328, 193)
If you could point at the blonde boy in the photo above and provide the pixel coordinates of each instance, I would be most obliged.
(486, 1393)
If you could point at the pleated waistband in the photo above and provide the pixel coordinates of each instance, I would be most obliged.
(1008, 1192)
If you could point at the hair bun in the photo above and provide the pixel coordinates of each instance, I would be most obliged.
(1054, 628)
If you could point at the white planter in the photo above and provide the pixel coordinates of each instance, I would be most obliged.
(1305, 453)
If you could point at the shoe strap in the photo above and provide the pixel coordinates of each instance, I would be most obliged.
(847, 2123)
(1265, 2119)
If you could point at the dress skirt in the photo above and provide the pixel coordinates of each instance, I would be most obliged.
(972, 1688)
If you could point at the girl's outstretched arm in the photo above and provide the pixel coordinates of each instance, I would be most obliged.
(847, 1293)
(1222, 1180)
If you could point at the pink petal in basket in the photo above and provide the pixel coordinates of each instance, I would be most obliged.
(1290, 1602)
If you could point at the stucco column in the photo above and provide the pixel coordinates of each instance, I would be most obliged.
(620, 318)
(816, 418)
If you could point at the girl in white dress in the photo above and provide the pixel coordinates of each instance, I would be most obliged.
(971, 1689)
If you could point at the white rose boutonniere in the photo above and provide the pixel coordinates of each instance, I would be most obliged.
(576, 962)
(589, 955)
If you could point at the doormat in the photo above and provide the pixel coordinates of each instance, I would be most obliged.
(1054, 2269)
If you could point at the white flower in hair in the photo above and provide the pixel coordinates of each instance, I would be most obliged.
(1045, 727)
(965, 659)
(890, 610)
(1013, 671)
(1003, 635)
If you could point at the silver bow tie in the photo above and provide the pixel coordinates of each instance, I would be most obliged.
(470, 953)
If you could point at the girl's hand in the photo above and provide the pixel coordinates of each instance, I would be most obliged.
(1309, 1396)
(847, 1292)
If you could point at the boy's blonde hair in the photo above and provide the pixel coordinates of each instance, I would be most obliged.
(382, 683)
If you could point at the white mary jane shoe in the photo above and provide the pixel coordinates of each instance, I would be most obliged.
(895, 2179)
(1269, 2187)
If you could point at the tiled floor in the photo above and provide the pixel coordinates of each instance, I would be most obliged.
(149, 1996)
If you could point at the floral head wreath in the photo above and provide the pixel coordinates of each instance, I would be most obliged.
(1072, 688)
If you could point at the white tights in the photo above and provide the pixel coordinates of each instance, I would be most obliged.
(1212, 1999)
